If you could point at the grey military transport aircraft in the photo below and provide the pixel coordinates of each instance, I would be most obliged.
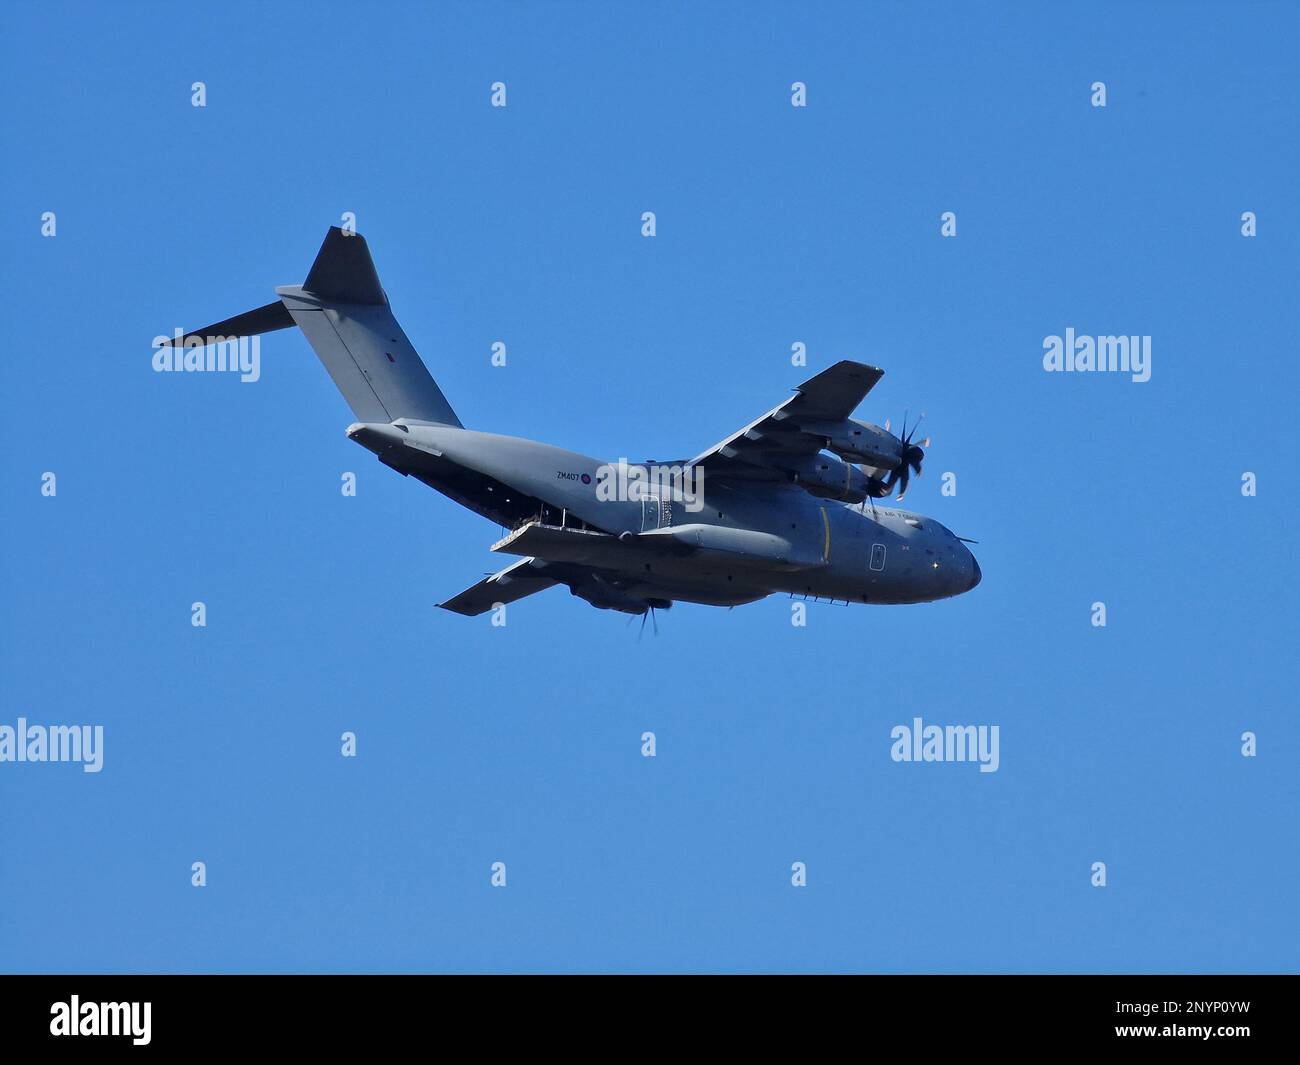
(764, 511)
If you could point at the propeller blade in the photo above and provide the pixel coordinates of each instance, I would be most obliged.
(910, 455)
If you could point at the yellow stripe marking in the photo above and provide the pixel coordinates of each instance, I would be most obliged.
(826, 544)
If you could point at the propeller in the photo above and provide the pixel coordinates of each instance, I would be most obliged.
(649, 611)
(870, 498)
(910, 462)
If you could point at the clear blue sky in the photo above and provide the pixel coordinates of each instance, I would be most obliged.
(522, 744)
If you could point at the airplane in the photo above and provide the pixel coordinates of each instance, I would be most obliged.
(764, 511)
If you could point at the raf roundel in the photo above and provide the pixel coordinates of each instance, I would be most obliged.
(586, 478)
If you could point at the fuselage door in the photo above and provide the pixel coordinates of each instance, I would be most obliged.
(877, 557)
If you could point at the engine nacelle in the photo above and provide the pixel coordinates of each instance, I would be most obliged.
(830, 478)
(600, 593)
(860, 442)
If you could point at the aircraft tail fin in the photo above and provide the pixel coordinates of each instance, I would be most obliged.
(343, 311)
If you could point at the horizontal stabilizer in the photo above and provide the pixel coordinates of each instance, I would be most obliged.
(251, 323)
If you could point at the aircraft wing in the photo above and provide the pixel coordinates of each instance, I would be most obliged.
(831, 396)
(513, 583)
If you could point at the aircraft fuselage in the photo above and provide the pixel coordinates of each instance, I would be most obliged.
(733, 542)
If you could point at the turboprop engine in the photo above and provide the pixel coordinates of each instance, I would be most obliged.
(860, 442)
(600, 593)
(876, 448)
(830, 478)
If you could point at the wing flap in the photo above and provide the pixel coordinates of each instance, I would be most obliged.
(515, 582)
(830, 396)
